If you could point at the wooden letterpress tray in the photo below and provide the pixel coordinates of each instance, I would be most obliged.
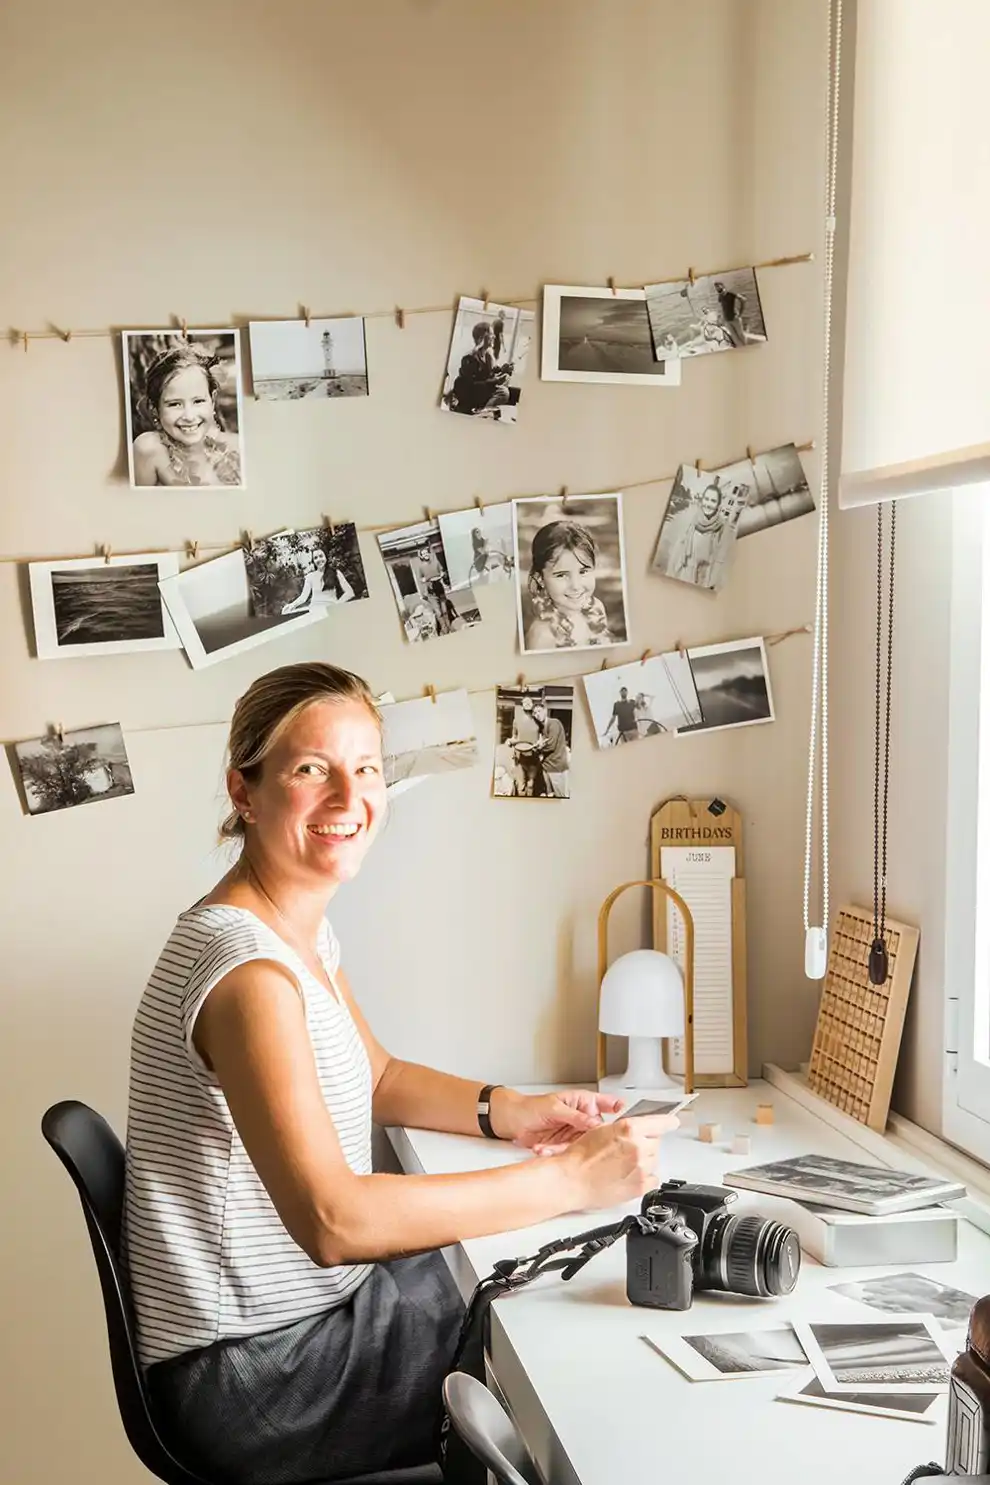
(858, 1036)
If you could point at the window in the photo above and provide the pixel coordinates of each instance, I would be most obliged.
(966, 1086)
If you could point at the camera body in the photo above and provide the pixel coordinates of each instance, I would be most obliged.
(687, 1238)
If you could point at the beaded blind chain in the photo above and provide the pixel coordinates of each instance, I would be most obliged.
(879, 959)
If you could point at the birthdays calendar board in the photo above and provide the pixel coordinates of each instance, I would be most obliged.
(697, 849)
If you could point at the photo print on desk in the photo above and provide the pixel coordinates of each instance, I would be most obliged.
(429, 735)
(210, 606)
(698, 533)
(721, 1356)
(904, 1355)
(779, 491)
(296, 572)
(489, 347)
(911, 1293)
(570, 573)
(92, 606)
(291, 360)
(733, 681)
(478, 545)
(428, 607)
(183, 408)
(642, 699)
(533, 729)
(717, 312)
(916, 1408)
(79, 768)
(601, 335)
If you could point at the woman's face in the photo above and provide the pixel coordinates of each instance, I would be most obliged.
(710, 502)
(321, 796)
(569, 579)
(319, 559)
(185, 409)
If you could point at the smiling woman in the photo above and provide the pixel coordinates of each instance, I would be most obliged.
(287, 1334)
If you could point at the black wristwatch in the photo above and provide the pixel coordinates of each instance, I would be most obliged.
(484, 1110)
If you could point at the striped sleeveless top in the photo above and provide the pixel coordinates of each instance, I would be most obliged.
(206, 1250)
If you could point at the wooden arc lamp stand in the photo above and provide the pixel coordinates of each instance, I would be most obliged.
(658, 885)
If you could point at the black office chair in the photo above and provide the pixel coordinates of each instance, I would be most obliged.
(94, 1158)
(480, 1420)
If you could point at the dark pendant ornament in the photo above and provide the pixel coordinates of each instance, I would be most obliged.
(879, 962)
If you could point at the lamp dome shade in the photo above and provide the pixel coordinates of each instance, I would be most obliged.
(642, 994)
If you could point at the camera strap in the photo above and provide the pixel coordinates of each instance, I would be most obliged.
(566, 1256)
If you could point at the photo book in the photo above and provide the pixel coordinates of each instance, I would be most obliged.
(846, 1185)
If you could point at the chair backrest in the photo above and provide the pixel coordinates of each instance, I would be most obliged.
(94, 1158)
(486, 1428)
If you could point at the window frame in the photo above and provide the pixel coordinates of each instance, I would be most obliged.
(966, 1078)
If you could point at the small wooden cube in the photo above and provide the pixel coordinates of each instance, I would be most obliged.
(740, 1144)
(764, 1113)
(709, 1133)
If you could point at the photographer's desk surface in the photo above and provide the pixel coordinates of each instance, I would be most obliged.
(598, 1406)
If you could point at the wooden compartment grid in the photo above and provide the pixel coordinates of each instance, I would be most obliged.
(858, 1035)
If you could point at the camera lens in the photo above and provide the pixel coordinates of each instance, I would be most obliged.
(749, 1254)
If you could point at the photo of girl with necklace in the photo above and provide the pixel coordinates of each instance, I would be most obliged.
(571, 573)
(183, 408)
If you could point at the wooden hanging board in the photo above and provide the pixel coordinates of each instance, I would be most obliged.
(696, 847)
(858, 1036)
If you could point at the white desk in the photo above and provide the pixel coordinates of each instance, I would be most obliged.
(598, 1406)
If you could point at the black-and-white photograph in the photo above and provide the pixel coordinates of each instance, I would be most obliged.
(291, 359)
(910, 1293)
(478, 545)
(698, 533)
(533, 727)
(779, 491)
(295, 572)
(417, 568)
(919, 1407)
(59, 772)
(489, 347)
(645, 698)
(717, 312)
(902, 1355)
(570, 573)
(601, 335)
(847, 1185)
(101, 606)
(721, 1356)
(429, 735)
(183, 408)
(733, 681)
(210, 606)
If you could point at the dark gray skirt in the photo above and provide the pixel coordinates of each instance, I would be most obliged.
(345, 1392)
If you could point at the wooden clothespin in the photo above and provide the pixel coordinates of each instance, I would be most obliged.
(611, 284)
(479, 503)
(604, 664)
(63, 335)
(697, 465)
(680, 647)
(563, 497)
(305, 314)
(183, 326)
(691, 276)
(106, 551)
(248, 541)
(400, 317)
(645, 655)
(749, 453)
(431, 692)
(328, 523)
(521, 681)
(428, 513)
(59, 732)
(484, 299)
(24, 340)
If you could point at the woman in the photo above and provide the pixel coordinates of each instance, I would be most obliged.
(697, 554)
(562, 590)
(315, 593)
(286, 1335)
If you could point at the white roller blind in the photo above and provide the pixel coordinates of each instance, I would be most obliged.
(916, 393)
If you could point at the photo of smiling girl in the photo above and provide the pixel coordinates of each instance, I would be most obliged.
(183, 409)
(571, 583)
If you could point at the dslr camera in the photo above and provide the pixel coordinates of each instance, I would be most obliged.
(686, 1238)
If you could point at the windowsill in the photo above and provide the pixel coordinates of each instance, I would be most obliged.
(903, 1146)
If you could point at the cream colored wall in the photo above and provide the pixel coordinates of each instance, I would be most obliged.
(237, 159)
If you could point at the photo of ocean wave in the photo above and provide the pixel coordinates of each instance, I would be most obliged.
(106, 603)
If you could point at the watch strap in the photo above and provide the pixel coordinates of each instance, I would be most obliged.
(484, 1110)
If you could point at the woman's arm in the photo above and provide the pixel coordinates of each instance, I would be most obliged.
(251, 1031)
(346, 591)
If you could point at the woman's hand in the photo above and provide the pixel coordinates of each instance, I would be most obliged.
(547, 1123)
(618, 1162)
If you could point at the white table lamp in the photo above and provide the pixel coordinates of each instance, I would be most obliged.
(642, 998)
